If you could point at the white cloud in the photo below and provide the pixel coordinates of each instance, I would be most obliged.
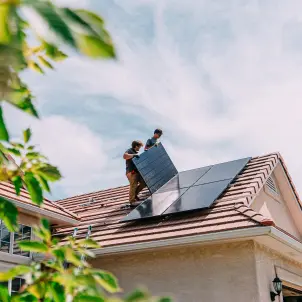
(222, 78)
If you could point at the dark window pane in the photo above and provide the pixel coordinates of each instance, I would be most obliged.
(24, 233)
(16, 284)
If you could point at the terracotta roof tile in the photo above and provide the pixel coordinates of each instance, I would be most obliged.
(229, 212)
(7, 190)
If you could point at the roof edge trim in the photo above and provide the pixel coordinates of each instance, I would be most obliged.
(203, 238)
(244, 233)
(46, 213)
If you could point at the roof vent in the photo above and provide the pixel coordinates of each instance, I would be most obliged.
(271, 185)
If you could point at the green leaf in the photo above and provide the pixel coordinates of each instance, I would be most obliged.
(90, 17)
(4, 294)
(25, 104)
(33, 155)
(94, 47)
(8, 214)
(88, 298)
(45, 224)
(14, 151)
(35, 67)
(44, 62)
(17, 181)
(165, 299)
(17, 145)
(89, 243)
(53, 52)
(33, 187)
(3, 131)
(43, 183)
(19, 270)
(137, 296)
(57, 292)
(24, 297)
(72, 257)
(106, 280)
(48, 12)
(33, 246)
(49, 172)
(27, 135)
(5, 35)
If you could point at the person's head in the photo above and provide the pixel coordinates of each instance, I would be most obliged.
(136, 145)
(158, 133)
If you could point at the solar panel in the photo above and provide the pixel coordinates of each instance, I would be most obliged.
(156, 167)
(223, 171)
(198, 197)
(184, 179)
(155, 205)
(187, 190)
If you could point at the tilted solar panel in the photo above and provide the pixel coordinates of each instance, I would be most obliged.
(156, 167)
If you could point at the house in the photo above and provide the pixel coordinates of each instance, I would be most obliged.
(29, 215)
(231, 251)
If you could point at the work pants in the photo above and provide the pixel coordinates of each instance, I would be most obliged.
(137, 184)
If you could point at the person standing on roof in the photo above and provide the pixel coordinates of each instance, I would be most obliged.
(154, 139)
(137, 184)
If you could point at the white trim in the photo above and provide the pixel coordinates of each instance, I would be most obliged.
(248, 233)
(45, 213)
(12, 258)
(212, 237)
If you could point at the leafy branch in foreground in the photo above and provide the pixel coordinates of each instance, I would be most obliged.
(81, 30)
(25, 167)
(78, 283)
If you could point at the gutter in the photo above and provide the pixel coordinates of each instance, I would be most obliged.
(204, 238)
(43, 212)
(248, 233)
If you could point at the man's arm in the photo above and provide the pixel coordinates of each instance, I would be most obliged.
(148, 145)
(128, 156)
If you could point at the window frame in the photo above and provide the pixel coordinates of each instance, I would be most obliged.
(12, 241)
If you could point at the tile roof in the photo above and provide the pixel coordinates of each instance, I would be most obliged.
(7, 190)
(231, 211)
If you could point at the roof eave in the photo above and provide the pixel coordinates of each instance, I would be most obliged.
(218, 237)
(45, 213)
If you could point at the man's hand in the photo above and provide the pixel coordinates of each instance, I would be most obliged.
(136, 156)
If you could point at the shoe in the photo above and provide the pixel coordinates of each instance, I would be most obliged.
(135, 204)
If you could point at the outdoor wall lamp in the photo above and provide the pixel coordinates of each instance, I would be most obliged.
(278, 288)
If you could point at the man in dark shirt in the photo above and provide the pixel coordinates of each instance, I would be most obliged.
(136, 181)
(154, 139)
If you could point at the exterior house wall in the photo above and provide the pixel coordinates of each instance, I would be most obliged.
(268, 263)
(210, 273)
(276, 209)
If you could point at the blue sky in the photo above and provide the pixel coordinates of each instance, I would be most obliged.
(222, 78)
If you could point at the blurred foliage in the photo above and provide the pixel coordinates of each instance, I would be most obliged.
(49, 279)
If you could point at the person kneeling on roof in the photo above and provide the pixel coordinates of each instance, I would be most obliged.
(154, 140)
(137, 184)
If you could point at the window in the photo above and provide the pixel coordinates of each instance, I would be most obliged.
(13, 285)
(16, 284)
(9, 241)
(5, 238)
(24, 233)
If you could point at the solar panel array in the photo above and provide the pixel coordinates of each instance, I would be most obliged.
(185, 191)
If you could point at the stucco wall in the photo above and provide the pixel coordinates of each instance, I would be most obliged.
(267, 264)
(277, 210)
(212, 274)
